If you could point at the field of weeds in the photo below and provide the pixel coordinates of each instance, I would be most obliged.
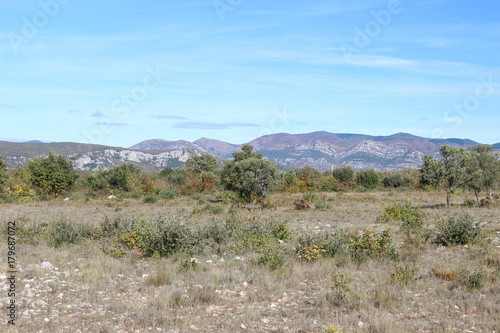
(352, 262)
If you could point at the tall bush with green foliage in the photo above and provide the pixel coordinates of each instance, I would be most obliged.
(51, 175)
(343, 173)
(248, 175)
(396, 180)
(482, 170)
(124, 177)
(368, 179)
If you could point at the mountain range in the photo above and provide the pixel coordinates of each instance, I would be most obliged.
(321, 150)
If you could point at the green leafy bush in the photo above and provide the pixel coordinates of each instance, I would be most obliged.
(60, 232)
(167, 192)
(368, 179)
(405, 212)
(396, 180)
(457, 230)
(332, 243)
(372, 245)
(273, 258)
(405, 274)
(150, 199)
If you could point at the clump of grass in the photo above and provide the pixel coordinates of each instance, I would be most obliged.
(457, 230)
(340, 293)
(214, 209)
(160, 278)
(310, 196)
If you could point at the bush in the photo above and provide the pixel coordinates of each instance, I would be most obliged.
(312, 252)
(332, 243)
(395, 180)
(344, 173)
(167, 192)
(405, 274)
(405, 212)
(150, 199)
(51, 175)
(471, 280)
(368, 179)
(457, 230)
(60, 232)
(372, 245)
(273, 258)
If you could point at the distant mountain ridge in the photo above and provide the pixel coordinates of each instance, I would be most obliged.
(321, 150)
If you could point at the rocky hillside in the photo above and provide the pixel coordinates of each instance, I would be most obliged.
(324, 150)
(321, 150)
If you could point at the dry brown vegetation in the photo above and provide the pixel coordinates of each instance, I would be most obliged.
(106, 283)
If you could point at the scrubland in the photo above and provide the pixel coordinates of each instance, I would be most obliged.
(382, 261)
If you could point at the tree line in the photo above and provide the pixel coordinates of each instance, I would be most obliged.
(248, 177)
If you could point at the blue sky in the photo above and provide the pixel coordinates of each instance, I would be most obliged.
(117, 73)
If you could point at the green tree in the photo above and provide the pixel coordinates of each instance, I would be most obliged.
(367, 178)
(343, 173)
(123, 177)
(3, 173)
(248, 175)
(432, 172)
(52, 175)
(453, 160)
(202, 163)
(482, 170)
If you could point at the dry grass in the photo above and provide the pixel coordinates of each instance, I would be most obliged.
(226, 291)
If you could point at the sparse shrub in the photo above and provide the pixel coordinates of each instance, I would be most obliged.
(471, 280)
(150, 199)
(332, 243)
(311, 253)
(188, 264)
(405, 274)
(202, 294)
(310, 196)
(368, 179)
(273, 258)
(340, 290)
(60, 232)
(214, 209)
(322, 206)
(281, 231)
(469, 203)
(444, 274)
(370, 244)
(167, 192)
(405, 212)
(457, 230)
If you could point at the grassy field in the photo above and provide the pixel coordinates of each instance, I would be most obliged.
(191, 264)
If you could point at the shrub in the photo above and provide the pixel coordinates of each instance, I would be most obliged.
(281, 231)
(396, 180)
(322, 206)
(273, 258)
(370, 244)
(332, 243)
(405, 274)
(151, 199)
(368, 179)
(60, 232)
(457, 230)
(310, 196)
(405, 212)
(340, 290)
(249, 176)
(471, 280)
(344, 173)
(51, 175)
(311, 253)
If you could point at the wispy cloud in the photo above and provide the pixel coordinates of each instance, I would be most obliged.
(98, 114)
(169, 116)
(9, 106)
(111, 124)
(75, 111)
(211, 125)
